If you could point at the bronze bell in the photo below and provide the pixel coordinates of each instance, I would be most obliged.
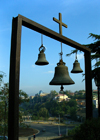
(76, 67)
(41, 57)
(61, 76)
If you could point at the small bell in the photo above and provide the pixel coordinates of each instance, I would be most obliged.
(76, 67)
(41, 57)
(61, 76)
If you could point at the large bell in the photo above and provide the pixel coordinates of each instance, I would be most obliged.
(61, 76)
(41, 57)
(76, 67)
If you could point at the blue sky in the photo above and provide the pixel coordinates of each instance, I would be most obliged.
(81, 17)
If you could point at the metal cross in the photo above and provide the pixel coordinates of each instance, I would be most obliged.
(60, 23)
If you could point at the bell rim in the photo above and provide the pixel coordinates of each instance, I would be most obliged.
(77, 71)
(41, 63)
(62, 84)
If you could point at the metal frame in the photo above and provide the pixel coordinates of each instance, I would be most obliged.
(13, 115)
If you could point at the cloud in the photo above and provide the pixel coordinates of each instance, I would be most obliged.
(33, 66)
(51, 64)
(49, 72)
(80, 56)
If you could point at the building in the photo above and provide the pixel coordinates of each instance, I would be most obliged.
(41, 93)
(61, 97)
(95, 91)
(31, 97)
(22, 97)
(81, 103)
(95, 103)
(72, 94)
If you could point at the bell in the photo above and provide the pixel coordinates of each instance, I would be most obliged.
(41, 57)
(76, 67)
(61, 76)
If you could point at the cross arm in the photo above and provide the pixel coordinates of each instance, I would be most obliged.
(56, 20)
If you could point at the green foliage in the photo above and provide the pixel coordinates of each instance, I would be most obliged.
(43, 112)
(1, 76)
(4, 94)
(3, 127)
(72, 103)
(72, 52)
(73, 113)
(79, 96)
(23, 97)
(53, 107)
(96, 37)
(53, 93)
(73, 131)
(89, 130)
(23, 125)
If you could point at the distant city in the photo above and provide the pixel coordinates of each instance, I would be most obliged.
(63, 97)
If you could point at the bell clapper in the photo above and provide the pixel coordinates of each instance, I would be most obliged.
(61, 88)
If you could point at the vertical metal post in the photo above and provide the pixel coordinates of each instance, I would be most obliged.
(13, 112)
(59, 124)
(88, 85)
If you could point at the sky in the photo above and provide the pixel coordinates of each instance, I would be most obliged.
(81, 17)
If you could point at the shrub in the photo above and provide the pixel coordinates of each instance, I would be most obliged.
(23, 125)
(73, 131)
(89, 130)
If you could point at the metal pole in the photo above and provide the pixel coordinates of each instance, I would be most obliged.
(13, 108)
(88, 85)
(66, 130)
(59, 124)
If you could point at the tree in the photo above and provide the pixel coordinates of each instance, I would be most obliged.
(89, 130)
(72, 103)
(53, 93)
(4, 95)
(43, 112)
(73, 113)
(23, 96)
